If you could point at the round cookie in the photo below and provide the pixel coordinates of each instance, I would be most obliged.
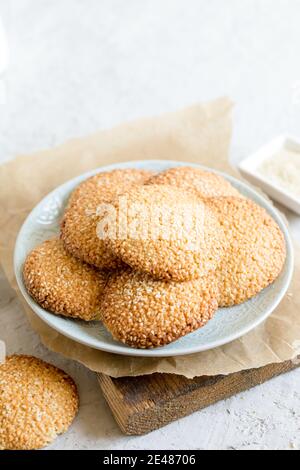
(203, 183)
(166, 233)
(37, 403)
(146, 313)
(256, 251)
(63, 284)
(78, 227)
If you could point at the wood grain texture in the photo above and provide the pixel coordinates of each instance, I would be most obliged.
(143, 404)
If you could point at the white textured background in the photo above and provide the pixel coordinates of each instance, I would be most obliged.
(77, 66)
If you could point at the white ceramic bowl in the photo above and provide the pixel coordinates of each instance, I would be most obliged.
(249, 166)
(227, 325)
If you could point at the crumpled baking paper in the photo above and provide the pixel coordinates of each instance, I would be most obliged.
(200, 134)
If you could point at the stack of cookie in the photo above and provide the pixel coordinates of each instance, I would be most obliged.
(153, 256)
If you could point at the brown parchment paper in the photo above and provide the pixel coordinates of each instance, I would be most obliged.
(200, 133)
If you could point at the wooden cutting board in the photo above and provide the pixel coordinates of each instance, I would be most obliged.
(142, 404)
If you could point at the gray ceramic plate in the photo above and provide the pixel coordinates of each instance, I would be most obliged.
(227, 325)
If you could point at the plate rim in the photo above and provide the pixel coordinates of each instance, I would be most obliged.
(157, 352)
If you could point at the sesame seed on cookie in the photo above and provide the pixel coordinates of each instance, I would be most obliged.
(78, 227)
(37, 403)
(166, 233)
(203, 183)
(256, 249)
(63, 284)
(146, 313)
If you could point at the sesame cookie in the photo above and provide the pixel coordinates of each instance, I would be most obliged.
(37, 403)
(166, 233)
(203, 183)
(256, 252)
(146, 313)
(61, 283)
(78, 228)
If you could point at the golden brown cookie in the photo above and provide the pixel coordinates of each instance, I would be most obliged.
(37, 403)
(166, 233)
(256, 252)
(63, 284)
(78, 228)
(145, 313)
(203, 183)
